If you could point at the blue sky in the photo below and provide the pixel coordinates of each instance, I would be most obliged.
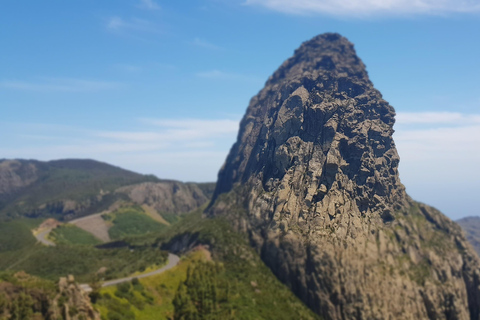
(159, 86)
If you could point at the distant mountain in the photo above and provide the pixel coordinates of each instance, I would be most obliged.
(66, 189)
(471, 226)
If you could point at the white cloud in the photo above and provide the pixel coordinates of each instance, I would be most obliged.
(438, 139)
(118, 24)
(440, 144)
(59, 85)
(149, 5)
(452, 118)
(439, 153)
(186, 149)
(200, 127)
(205, 44)
(368, 7)
(186, 131)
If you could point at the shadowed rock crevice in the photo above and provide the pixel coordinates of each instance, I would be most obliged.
(313, 180)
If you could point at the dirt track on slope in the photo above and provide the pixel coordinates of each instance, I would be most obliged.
(95, 225)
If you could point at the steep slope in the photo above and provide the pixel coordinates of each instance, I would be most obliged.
(313, 181)
(66, 189)
(471, 226)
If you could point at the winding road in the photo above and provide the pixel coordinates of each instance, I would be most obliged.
(173, 260)
(42, 237)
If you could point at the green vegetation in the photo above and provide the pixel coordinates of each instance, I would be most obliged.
(132, 221)
(24, 297)
(81, 261)
(205, 294)
(234, 285)
(255, 292)
(72, 235)
(171, 217)
(149, 298)
(208, 188)
(75, 252)
(16, 235)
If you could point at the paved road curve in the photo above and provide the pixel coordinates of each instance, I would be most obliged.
(42, 237)
(172, 262)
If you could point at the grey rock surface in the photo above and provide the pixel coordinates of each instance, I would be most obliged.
(313, 181)
(16, 175)
(169, 196)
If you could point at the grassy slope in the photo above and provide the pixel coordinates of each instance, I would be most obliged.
(243, 267)
(20, 252)
(161, 287)
(81, 261)
(16, 235)
(132, 221)
(72, 235)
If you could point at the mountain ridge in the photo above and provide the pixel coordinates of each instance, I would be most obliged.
(70, 188)
(471, 226)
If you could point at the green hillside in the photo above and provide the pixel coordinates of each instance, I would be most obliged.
(19, 251)
(16, 235)
(132, 221)
(72, 235)
(66, 187)
(222, 277)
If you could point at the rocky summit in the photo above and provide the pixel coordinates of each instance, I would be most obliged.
(313, 181)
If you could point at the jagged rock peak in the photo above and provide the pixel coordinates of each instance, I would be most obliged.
(327, 52)
(319, 113)
(313, 181)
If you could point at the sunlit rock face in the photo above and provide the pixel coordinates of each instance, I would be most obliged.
(313, 181)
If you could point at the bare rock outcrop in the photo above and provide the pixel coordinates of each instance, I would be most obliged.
(313, 180)
(72, 303)
(15, 175)
(168, 196)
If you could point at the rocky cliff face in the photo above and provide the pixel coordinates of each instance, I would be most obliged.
(313, 181)
(72, 303)
(16, 175)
